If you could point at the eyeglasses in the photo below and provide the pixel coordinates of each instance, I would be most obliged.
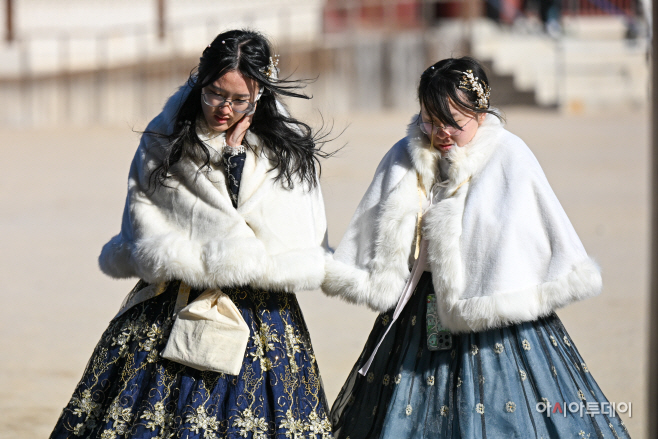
(429, 127)
(217, 100)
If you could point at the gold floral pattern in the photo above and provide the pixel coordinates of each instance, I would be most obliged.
(249, 423)
(444, 410)
(523, 375)
(526, 345)
(158, 418)
(86, 408)
(430, 380)
(202, 421)
(319, 427)
(120, 416)
(474, 350)
(479, 407)
(408, 410)
(510, 407)
(499, 348)
(292, 346)
(294, 427)
(155, 335)
(279, 354)
(264, 342)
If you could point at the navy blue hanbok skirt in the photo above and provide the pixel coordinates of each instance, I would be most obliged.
(129, 391)
(522, 381)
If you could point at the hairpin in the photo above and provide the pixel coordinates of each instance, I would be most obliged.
(473, 83)
(272, 69)
(223, 42)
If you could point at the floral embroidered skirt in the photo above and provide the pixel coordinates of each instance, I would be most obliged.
(500, 383)
(129, 391)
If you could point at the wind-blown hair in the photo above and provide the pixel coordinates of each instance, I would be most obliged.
(293, 144)
(440, 85)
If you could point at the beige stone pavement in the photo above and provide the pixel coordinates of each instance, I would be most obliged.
(62, 192)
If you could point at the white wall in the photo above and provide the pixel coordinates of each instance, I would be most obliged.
(60, 35)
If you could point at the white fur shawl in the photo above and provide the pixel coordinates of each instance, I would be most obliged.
(501, 249)
(275, 239)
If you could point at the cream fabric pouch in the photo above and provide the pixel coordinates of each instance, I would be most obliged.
(209, 334)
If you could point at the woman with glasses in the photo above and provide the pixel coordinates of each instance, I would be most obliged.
(224, 221)
(463, 248)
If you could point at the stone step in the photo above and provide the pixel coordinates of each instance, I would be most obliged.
(580, 67)
(504, 91)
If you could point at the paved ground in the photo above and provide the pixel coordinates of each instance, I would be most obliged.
(62, 191)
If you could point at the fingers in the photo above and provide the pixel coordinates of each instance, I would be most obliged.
(236, 133)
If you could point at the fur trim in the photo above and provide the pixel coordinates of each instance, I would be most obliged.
(467, 161)
(294, 271)
(379, 286)
(443, 229)
(231, 262)
(379, 282)
(190, 231)
(482, 313)
(424, 159)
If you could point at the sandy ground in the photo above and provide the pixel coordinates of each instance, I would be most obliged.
(62, 192)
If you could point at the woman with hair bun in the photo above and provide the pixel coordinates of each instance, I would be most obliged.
(462, 246)
(224, 221)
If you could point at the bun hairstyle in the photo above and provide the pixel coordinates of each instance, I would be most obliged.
(291, 142)
(460, 81)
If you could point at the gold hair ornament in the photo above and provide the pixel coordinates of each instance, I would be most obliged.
(473, 83)
(272, 69)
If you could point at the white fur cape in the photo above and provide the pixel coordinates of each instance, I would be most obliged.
(275, 239)
(501, 249)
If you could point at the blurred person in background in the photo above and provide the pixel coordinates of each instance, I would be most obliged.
(464, 249)
(224, 221)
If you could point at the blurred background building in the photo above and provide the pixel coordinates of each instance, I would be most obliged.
(107, 61)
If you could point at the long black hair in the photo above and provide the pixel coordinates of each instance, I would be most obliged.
(293, 144)
(442, 83)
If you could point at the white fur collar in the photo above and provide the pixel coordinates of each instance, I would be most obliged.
(464, 161)
(501, 249)
(190, 231)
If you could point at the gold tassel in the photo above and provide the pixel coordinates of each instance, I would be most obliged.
(460, 185)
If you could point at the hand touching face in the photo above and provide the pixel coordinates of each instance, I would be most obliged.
(234, 88)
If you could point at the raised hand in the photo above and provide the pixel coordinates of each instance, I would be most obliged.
(235, 134)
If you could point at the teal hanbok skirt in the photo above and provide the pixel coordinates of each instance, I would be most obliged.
(522, 381)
